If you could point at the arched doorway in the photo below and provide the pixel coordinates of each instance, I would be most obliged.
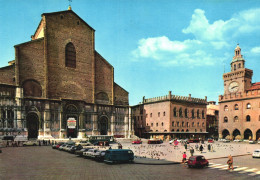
(32, 125)
(225, 133)
(103, 125)
(236, 133)
(258, 135)
(71, 120)
(248, 134)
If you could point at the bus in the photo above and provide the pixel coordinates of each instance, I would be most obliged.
(100, 138)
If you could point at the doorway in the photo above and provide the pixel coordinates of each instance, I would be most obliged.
(103, 125)
(32, 125)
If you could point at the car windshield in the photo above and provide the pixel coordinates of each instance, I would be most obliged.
(200, 158)
(257, 151)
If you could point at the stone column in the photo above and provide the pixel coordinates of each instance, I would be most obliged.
(112, 124)
(94, 119)
(126, 126)
(254, 136)
(46, 120)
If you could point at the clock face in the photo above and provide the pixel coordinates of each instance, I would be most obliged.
(233, 87)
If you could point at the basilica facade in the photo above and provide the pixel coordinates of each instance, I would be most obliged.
(239, 107)
(59, 86)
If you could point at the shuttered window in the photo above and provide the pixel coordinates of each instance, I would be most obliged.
(70, 55)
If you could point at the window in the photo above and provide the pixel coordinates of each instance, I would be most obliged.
(239, 65)
(157, 124)
(172, 123)
(158, 114)
(235, 67)
(198, 124)
(182, 124)
(152, 124)
(178, 124)
(236, 107)
(70, 55)
(180, 112)
(151, 115)
(248, 106)
(198, 114)
(203, 114)
(192, 114)
(225, 108)
(248, 118)
(236, 119)
(172, 129)
(193, 124)
(164, 113)
(188, 124)
(203, 124)
(162, 123)
(174, 112)
(186, 113)
(225, 119)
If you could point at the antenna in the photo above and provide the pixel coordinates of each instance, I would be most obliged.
(70, 2)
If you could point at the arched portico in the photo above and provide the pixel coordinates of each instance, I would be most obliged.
(225, 133)
(236, 133)
(258, 135)
(248, 134)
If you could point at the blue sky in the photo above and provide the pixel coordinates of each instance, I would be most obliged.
(155, 46)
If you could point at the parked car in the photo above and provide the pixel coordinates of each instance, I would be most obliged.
(100, 155)
(30, 143)
(197, 161)
(61, 147)
(238, 140)
(84, 143)
(90, 153)
(67, 148)
(137, 142)
(80, 152)
(75, 148)
(155, 141)
(258, 142)
(256, 153)
(119, 155)
(210, 140)
(252, 142)
(226, 140)
(56, 146)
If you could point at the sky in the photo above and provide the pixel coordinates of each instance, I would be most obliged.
(155, 46)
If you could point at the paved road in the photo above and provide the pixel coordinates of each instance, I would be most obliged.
(46, 163)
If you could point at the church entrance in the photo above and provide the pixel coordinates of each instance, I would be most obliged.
(103, 125)
(32, 125)
(72, 126)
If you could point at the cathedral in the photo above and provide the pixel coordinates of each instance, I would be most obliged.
(239, 107)
(59, 86)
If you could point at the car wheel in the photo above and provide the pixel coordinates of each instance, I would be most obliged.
(34, 144)
(189, 166)
(24, 144)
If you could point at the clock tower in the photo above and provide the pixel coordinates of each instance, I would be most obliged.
(239, 79)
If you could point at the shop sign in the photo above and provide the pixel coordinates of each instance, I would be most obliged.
(71, 123)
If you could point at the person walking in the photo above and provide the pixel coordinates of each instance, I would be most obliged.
(184, 156)
(191, 151)
(230, 162)
(201, 148)
(209, 147)
(185, 146)
(197, 147)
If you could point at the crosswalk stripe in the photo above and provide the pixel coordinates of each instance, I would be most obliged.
(258, 172)
(219, 167)
(213, 165)
(242, 168)
(250, 170)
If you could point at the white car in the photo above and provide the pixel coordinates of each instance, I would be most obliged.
(226, 140)
(238, 140)
(256, 153)
(90, 153)
(30, 143)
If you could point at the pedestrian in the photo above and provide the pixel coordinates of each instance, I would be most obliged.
(184, 156)
(185, 146)
(49, 142)
(191, 151)
(209, 147)
(40, 143)
(197, 147)
(230, 162)
(201, 148)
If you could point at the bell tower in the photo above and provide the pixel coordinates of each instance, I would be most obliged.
(239, 79)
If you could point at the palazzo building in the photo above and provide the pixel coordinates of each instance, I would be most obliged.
(59, 86)
(240, 105)
(212, 119)
(170, 117)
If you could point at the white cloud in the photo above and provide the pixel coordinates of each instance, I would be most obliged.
(208, 46)
(256, 50)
